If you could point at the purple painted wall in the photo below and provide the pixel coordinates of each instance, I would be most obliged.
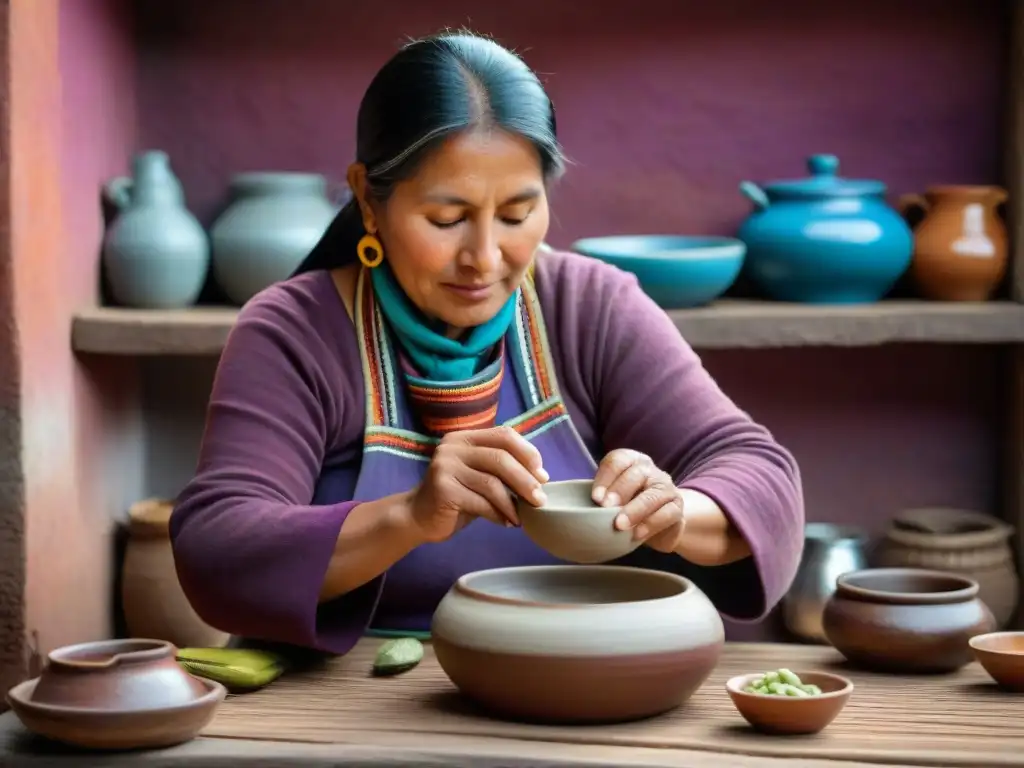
(664, 107)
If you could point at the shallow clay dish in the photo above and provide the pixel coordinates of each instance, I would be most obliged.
(790, 715)
(576, 644)
(905, 620)
(572, 527)
(116, 694)
(1002, 656)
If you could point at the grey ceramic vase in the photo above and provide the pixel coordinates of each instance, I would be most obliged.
(273, 222)
(155, 252)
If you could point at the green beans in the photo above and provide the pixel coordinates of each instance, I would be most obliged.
(397, 656)
(782, 682)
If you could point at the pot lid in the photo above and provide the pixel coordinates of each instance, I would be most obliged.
(823, 182)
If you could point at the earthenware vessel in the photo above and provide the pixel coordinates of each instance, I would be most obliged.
(116, 694)
(155, 252)
(272, 224)
(961, 541)
(905, 620)
(960, 246)
(573, 527)
(1002, 656)
(676, 271)
(824, 239)
(791, 715)
(829, 551)
(153, 601)
(582, 644)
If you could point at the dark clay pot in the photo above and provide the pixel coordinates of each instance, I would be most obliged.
(904, 620)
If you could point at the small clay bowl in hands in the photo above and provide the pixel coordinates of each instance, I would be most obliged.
(116, 695)
(905, 620)
(791, 715)
(1002, 656)
(573, 527)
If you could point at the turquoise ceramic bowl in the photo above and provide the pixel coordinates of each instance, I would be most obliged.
(674, 270)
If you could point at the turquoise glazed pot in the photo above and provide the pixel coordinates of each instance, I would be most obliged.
(675, 271)
(824, 239)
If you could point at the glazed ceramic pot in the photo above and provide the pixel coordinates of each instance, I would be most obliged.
(675, 271)
(829, 552)
(960, 246)
(116, 694)
(960, 541)
(155, 253)
(272, 224)
(905, 620)
(153, 601)
(576, 643)
(824, 239)
(572, 527)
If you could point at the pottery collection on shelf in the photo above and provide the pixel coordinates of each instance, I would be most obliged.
(822, 239)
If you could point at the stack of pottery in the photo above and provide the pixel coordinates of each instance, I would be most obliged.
(957, 541)
(155, 252)
(272, 224)
(824, 239)
(960, 246)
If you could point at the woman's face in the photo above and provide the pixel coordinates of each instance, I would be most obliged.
(460, 235)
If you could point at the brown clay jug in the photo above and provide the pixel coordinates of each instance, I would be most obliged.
(960, 244)
(153, 602)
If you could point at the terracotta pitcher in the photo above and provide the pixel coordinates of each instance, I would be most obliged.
(960, 246)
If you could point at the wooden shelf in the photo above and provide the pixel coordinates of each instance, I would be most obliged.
(725, 325)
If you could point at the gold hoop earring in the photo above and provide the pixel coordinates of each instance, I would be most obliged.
(369, 243)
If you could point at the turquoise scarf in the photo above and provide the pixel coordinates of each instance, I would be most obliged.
(436, 357)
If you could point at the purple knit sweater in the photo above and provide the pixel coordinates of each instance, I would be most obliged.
(251, 548)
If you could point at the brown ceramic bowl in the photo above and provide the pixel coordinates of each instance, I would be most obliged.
(573, 527)
(576, 643)
(905, 620)
(116, 694)
(1002, 656)
(790, 715)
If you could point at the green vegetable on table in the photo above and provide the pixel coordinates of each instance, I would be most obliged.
(782, 682)
(397, 656)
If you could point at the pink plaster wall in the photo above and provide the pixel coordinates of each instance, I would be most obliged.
(78, 425)
(664, 106)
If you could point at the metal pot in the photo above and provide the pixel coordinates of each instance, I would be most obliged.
(829, 551)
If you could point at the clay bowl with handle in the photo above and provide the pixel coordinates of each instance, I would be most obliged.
(573, 527)
(905, 620)
(1001, 654)
(789, 715)
(116, 695)
(576, 643)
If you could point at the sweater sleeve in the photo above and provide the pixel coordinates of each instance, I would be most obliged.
(652, 394)
(250, 549)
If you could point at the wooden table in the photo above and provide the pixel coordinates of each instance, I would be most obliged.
(339, 716)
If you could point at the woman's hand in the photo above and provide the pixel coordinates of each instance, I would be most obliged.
(473, 473)
(651, 504)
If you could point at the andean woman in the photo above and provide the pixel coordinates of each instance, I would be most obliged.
(371, 415)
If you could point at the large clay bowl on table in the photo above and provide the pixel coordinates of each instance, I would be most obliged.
(573, 527)
(905, 620)
(116, 695)
(576, 644)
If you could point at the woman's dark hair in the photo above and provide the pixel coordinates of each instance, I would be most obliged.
(433, 88)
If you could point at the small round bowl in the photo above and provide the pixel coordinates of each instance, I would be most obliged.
(1002, 656)
(791, 715)
(576, 643)
(116, 695)
(572, 527)
(674, 270)
(905, 620)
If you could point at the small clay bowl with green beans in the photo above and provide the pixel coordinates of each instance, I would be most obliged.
(783, 702)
